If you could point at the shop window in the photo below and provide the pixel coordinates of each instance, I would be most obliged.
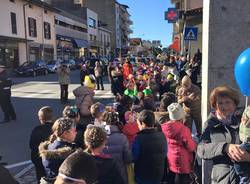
(47, 34)
(13, 23)
(32, 27)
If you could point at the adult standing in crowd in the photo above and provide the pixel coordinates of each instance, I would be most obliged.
(84, 99)
(98, 74)
(40, 134)
(127, 69)
(189, 95)
(5, 96)
(64, 81)
(220, 139)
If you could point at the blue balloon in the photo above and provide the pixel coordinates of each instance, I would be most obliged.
(242, 72)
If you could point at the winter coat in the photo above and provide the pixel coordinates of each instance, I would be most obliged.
(118, 148)
(39, 134)
(180, 147)
(84, 99)
(6, 177)
(127, 69)
(53, 155)
(130, 130)
(149, 152)
(63, 75)
(98, 71)
(214, 139)
(108, 171)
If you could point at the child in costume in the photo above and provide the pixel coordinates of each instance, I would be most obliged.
(243, 168)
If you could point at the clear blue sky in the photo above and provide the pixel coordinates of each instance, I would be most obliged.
(148, 19)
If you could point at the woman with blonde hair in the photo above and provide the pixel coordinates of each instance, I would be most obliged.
(95, 139)
(57, 148)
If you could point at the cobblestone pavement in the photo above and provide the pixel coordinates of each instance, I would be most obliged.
(28, 178)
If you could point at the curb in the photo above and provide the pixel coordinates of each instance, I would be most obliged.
(24, 171)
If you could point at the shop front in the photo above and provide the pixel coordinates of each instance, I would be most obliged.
(9, 56)
(70, 48)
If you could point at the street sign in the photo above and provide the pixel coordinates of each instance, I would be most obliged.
(172, 15)
(191, 33)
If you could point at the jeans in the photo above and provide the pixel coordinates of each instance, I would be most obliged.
(99, 82)
(243, 168)
(64, 92)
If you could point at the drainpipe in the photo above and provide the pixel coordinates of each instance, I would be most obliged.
(25, 30)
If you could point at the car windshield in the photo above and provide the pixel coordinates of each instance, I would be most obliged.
(51, 62)
(27, 64)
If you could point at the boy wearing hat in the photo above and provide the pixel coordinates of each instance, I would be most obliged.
(243, 168)
(149, 150)
(78, 168)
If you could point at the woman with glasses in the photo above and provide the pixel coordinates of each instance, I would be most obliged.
(57, 148)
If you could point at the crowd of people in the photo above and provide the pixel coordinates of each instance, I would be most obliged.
(146, 136)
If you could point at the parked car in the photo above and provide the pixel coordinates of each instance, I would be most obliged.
(69, 63)
(32, 68)
(53, 65)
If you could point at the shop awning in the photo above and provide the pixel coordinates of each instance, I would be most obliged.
(81, 43)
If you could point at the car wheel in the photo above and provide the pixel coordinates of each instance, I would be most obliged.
(34, 74)
(46, 72)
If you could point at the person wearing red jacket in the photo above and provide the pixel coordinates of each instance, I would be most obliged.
(180, 145)
(127, 69)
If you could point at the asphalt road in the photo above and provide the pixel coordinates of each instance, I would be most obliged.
(28, 96)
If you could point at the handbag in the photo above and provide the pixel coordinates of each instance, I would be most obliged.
(131, 174)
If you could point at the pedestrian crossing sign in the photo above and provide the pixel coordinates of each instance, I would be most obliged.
(191, 33)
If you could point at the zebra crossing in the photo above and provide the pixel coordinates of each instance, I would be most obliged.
(51, 90)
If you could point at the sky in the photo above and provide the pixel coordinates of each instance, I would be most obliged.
(148, 20)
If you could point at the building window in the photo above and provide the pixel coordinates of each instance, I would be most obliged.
(92, 23)
(13, 1)
(32, 27)
(13, 23)
(47, 34)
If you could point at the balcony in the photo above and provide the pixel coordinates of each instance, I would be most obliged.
(194, 4)
(95, 43)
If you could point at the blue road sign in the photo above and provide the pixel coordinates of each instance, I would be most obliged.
(191, 33)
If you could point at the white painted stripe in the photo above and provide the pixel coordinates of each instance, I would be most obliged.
(18, 164)
(23, 171)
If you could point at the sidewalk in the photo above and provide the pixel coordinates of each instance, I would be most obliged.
(28, 177)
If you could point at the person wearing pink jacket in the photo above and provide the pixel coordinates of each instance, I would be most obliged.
(180, 145)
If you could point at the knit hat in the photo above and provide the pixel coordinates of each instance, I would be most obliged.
(176, 112)
(244, 131)
(147, 91)
(89, 81)
(79, 167)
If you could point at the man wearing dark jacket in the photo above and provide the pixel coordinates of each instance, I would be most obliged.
(40, 134)
(5, 96)
(149, 150)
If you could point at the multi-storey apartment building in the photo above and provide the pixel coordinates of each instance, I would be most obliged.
(123, 23)
(27, 32)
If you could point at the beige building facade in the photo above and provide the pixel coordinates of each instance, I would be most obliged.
(27, 33)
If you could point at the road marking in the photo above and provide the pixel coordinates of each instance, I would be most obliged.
(18, 164)
(23, 171)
